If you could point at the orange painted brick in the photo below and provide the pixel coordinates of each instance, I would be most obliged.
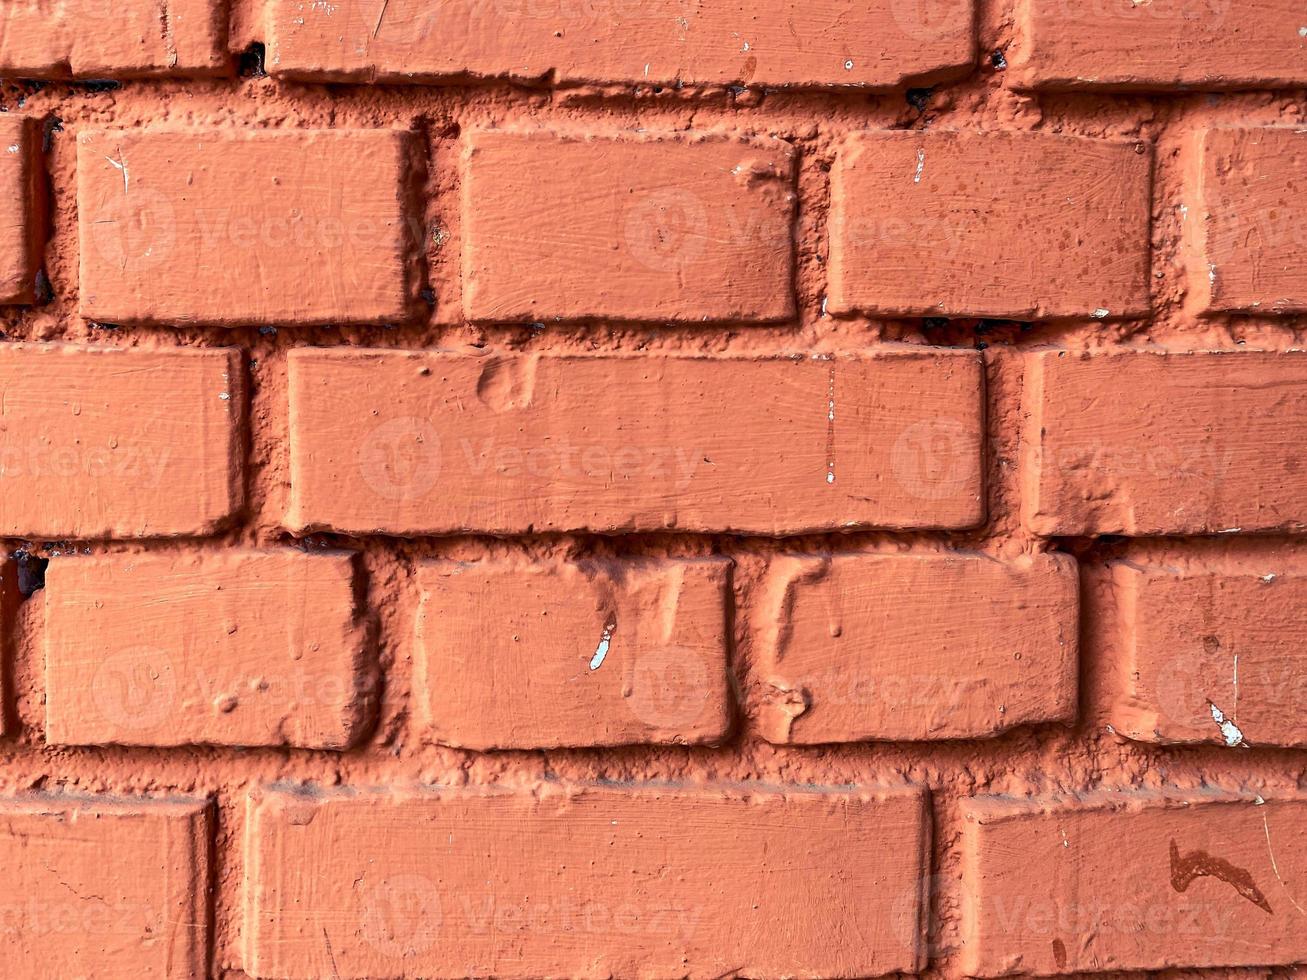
(590, 653)
(226, 648)
(447, 443)
(22, 207)
(112, 38)
(104, 887)
(101, 442)
(1246, 225)
(233, 227)
(914, 647)
(815, 43)
(1131, 881)
(1025, 225)
(1211, 653)
(594, 881)
(1146, 442)
(1161, 44)
(632, 227)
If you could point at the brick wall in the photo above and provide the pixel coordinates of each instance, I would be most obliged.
(653, 488)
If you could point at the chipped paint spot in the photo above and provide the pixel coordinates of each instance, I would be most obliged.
(605, 641)
(1229, 730)
(848, 65)
(121, 165)
(830, 425)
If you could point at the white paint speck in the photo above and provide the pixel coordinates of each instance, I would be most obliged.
(848, 65)
(1268, 578)
(1229, 730)
(745, 47)
(1302, 32)
(121, 166)
(921, 165)
(224, 396)
(1102, 314)
(12, 149)
(601, 651)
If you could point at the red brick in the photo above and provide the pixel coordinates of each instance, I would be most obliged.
(9, 600)
(605, 652)
(815, 43)
(1146, 442)
(447, 443)
(22, 207)
(1131, 881)
(633, 227)
(914, 647)
(233, 227)
(1161, 44)
(1023, 225)
(104, 887)
(613, 881)
(1245, 237)
(112, 38)
(1211, 653)
(101, 442)
(226, 648)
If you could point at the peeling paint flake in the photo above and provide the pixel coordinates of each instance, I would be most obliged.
(605, 641)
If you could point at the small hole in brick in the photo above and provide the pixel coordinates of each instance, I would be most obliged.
(94, 85)
(428, 296)
(43, 290)
(998, 59)
(251, 61)
(935, 322)
(52, 125)
(919, 98)
(31, 571)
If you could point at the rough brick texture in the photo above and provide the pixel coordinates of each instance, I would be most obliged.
(661, 213)
(817, 43)
(22, 208)
(1211, 879)
(104, 888)
(1148, 442)
(1246, 230)
(1211, 653)
(917, 220)
(114, 443)
(602, 881)
(235, 226)
(653, 488)
(408, 443)
(502, 666)
(237, 648)
(112, 38)
(915, 646)
(1162, 44)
